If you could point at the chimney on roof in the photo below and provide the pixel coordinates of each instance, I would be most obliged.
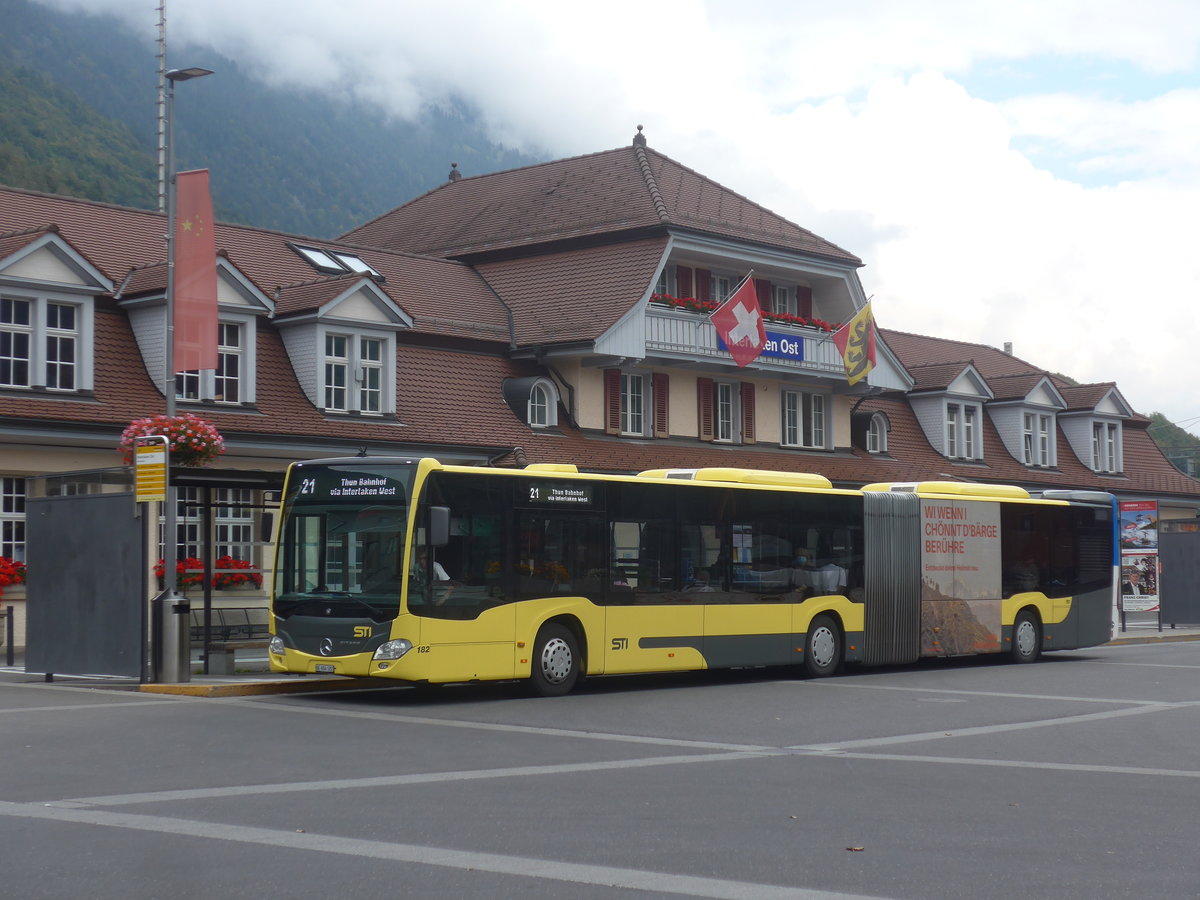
(455, 175)
(639, 139)
(1008, 348)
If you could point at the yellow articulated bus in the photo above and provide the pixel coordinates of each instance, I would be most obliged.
(423, 572)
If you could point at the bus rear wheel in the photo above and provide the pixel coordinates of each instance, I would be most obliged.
(822, 647)
(1026, 638)
(556, 661)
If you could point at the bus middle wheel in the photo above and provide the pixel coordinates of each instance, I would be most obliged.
(822, 647)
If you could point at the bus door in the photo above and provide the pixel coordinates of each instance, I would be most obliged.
(456, 585)
(652, 623)
(747, 613)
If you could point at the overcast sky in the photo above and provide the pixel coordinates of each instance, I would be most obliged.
(1008, 171)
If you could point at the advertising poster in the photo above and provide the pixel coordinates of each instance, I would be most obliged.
(960, 577)
(1139, 555)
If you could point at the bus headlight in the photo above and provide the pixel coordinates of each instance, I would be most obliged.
(276, 645)
(393, 649)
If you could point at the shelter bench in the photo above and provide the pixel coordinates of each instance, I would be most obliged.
(231, 629)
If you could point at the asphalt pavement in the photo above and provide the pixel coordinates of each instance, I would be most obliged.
(252, 675)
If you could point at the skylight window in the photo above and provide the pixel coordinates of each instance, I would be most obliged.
(353, 263)
(333, 262)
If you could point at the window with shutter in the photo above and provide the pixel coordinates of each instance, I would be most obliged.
(704, 406)
(683, 281)
(762, 288)
(662, 387)
(747, 413)
(703, 284)
(804, 305)
(612, 401)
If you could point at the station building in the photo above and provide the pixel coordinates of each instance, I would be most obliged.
(553, 313)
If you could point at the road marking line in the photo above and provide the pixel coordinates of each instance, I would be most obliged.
(399, 780)
(463, 860)
(498, 726)
(1025, 764)
(836, 746)
(1007, 695)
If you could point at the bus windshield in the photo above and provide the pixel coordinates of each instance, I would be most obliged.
(341, 544)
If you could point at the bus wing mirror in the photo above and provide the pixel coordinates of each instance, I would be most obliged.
(439, 526)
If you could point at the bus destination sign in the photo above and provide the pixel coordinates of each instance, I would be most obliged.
(560, 494)
(349, 485)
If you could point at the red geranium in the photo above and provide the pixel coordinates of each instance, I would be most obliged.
(236, 578)
(189, 572)
(12, 571)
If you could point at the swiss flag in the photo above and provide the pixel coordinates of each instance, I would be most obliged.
(739, 324)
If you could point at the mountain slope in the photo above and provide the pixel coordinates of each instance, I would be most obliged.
(79, 111)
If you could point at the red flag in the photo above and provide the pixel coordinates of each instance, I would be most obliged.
(856, 342)
(739, 324)
(195, 294)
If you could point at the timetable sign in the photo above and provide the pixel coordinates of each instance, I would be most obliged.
(150, 472)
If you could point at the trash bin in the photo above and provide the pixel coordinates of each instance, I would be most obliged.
(172, 640)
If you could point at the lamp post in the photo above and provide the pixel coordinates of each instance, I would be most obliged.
(170, 537)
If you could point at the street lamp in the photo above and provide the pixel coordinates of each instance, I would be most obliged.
(170, 538)
(172, 76)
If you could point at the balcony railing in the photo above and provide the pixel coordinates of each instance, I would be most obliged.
(691, 334)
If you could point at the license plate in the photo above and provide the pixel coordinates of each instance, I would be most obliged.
(326, 669)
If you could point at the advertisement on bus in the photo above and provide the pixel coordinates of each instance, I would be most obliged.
(960, 577)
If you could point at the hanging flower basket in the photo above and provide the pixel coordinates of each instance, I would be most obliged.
(191, 440)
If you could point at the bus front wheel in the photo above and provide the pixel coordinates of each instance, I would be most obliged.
(1026, 638)
(556, 662)
(822, 647)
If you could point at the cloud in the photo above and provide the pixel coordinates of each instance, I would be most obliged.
(1054, 216)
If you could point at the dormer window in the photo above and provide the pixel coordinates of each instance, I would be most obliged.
(43, 344)
(962, 431)
(1037, 440)
(542, 409)
(877, 434)
(232, 382)
(1106, 447)
(353, 373)
(533, 400)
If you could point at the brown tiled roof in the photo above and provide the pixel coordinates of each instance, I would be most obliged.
(11, 243)
(936, 376)
(920, 350)
(442, 297)
(627, 189)
(308, 296)
(1085, 396)
(1014, 387)
(151, 279)
(575, 295)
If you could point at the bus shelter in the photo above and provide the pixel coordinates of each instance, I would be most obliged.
(92, 551)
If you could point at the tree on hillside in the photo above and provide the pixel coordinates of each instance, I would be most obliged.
(1178, 445)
